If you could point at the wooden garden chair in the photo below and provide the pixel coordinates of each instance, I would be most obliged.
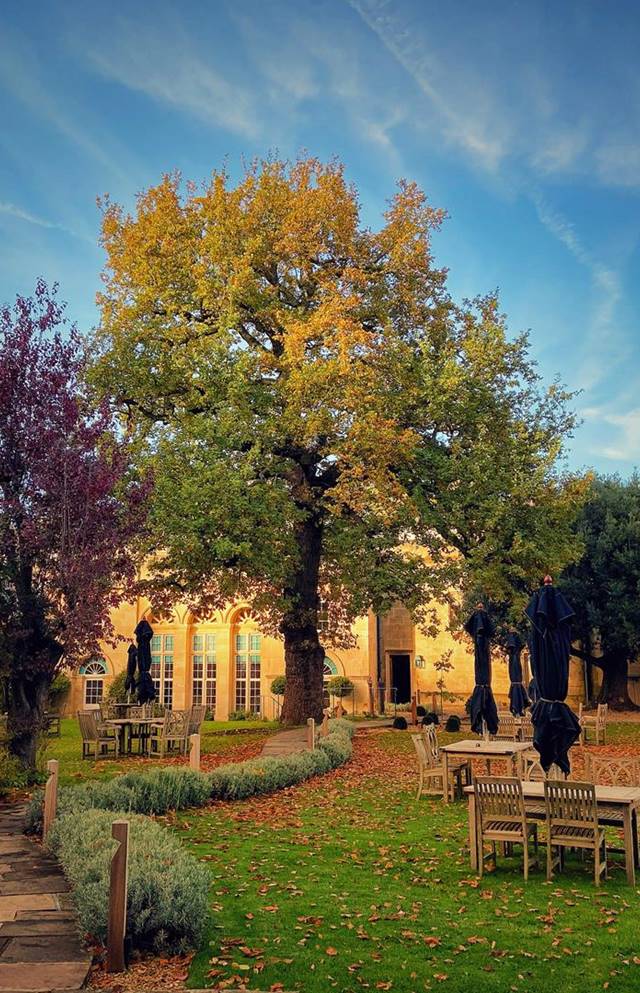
(198, 712)
(612, 770)
(171, 733)
(502, 819)
(96, 737)
(594, 722)
(138, 732)
(508, 728)
(431, 771)
(464, 765)
(52, 723)
(572, 822)
(533, 771)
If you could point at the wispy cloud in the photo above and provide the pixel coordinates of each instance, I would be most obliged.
(625, 446)
(19, 214)
(170, 69)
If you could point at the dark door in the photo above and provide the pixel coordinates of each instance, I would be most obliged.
(401, 678)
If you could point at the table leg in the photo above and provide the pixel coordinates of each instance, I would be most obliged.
(629, 853)
(445, 776)
(473, 832)
(634, 828)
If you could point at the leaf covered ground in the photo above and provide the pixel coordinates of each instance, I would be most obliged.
(348, 883)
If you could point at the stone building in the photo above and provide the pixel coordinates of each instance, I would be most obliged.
(228, 664)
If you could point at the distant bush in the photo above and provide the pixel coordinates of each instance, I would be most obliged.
(116, 692)
(453, 723)
(244, 715)
(400, 724)
(421, 711)
(59, 691)
(278, 685)
(431, 718)
(167, 897)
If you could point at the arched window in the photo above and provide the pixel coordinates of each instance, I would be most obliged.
(329, 668)
(94, 672)
(203, 668)
(248, 649)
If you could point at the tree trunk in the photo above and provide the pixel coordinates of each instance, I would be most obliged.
(27, 704)
(303, 653)
(615, 688)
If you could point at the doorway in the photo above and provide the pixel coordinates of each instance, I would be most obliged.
(401, 678)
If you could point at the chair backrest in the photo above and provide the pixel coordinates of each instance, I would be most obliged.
(508, 726)
(137, 713)
(570, 804)
(176, 723)
(108, 712)
(500, 799)
(88, 725)
(197, 716)
(612, 770)
(601, 715)
(430, 736)
(534, 773)
(421, 750)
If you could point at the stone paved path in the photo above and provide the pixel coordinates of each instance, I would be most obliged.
(286, 742)
(40, 951)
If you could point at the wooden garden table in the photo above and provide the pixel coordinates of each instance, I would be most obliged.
(617, 807)
(122, 723)
(482, 749)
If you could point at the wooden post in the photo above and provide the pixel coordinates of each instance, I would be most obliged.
(324, 727)
(311, 733)
(372, 704)
(117, 923)
(414, 710)
(194, 752)
(50, 797)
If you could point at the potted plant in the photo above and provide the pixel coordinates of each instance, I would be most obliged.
(340, 686)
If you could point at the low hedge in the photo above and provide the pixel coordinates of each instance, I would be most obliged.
(174, 788)
(167, 895)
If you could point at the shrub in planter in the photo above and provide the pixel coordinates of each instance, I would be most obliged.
(431, 718)
(167, 903)
(339, 686)
(421, 711)
(278, 685)
(453, 723)
(400, 723)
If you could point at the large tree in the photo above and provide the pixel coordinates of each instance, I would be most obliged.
(604, 585)
(68, 512)
(323, 419)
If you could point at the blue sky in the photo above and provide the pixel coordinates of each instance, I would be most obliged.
(522, 119)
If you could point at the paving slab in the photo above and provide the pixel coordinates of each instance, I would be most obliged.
(40, 949)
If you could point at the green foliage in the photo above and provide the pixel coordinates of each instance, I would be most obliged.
(278, 685)
(59, 690)
(167, 905)
(309, 393)
(13, 774)
(340, 686)
(244, 715)
(603, 587)
(116, 692)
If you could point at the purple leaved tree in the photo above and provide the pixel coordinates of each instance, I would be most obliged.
(71, 510)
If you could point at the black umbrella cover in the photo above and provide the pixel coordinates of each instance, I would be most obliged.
(533, 690)
(132, 661)
(518, 698)
(556, 727)
(482, 706)
(146, 689)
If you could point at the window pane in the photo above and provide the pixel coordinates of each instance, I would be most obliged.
(211, 642)
(241, 642)
(93, 690)
(197, 643)
(168, 642)
(254, 642)
(156, 643)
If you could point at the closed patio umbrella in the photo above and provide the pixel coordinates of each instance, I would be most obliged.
(132, 661)
(482, 706)
(518, 698)
(146, 689)
(556, 727)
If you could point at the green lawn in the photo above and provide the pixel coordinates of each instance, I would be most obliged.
(348, 882)
(68, 749)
